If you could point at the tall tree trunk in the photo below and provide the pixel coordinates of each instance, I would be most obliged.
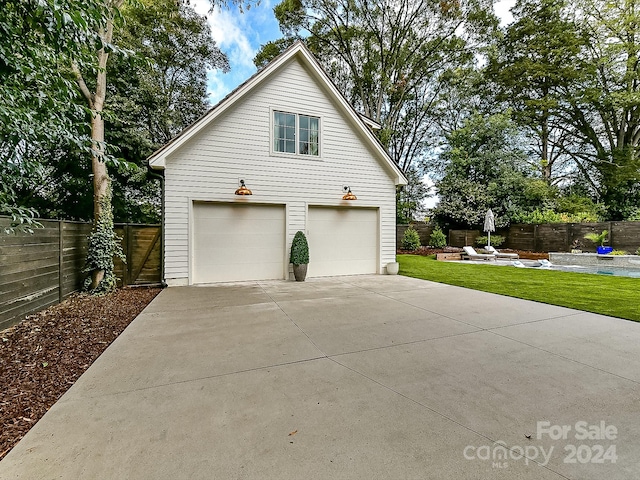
(100, 181)
(96, 101)
(546, 162)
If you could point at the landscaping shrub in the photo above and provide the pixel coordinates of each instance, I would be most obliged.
(438, 239)
(550, 216)
(496, 240)
(618, 252)
(634, 217)
(299, 249)
(411, 239)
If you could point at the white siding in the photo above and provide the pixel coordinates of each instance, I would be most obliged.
(237, 145)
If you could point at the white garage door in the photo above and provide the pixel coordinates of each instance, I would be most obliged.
(237, 242)
(342, 241)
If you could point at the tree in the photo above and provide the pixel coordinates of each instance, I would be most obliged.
(537, 59)
(409, 199)
(604, 113)
(484, 165)
(103, 243)
(37, 40)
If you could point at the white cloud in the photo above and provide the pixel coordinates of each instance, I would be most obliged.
(230, 31)
(502, 11)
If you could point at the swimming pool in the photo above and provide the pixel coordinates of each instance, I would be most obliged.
(599, 270)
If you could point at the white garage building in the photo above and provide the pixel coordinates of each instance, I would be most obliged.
(296, 143)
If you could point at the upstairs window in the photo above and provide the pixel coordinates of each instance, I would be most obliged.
(297, 134)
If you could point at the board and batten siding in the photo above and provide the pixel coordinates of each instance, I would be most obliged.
(237, 145)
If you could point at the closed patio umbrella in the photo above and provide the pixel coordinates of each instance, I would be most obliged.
(489, 225)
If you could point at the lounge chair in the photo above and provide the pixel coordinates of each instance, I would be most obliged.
(471, 254)
(511, 256)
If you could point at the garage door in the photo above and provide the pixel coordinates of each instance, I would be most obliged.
(342, 241)
(237, 242)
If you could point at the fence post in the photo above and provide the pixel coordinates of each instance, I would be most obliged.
(127, 254)
(535, 238)
(611, 234)
(60, 260)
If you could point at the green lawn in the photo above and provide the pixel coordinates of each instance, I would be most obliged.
(615, 296)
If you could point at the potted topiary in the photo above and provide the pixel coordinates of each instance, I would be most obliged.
(299, 256)
(600, 239)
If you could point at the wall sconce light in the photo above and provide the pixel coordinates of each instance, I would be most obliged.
(348, 195)
(243, 190)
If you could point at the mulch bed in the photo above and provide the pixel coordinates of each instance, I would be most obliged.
(525, 255)
(41, 357)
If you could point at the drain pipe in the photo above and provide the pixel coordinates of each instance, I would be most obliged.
(160, 177)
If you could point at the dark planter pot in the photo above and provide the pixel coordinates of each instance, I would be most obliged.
(604, 250)
(300, 272)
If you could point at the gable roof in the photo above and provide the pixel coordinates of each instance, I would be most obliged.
(298, 49)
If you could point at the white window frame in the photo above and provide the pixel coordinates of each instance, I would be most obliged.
(297, 153)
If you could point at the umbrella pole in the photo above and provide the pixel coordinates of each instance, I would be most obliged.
(489, 238)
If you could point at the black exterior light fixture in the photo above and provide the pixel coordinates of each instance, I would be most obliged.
(243, 190)
(349, 195)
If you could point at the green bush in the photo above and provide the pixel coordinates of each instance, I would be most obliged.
(538, 217)
(411, 239)
(496, 240)
(618, 252)
(438, 239)
(299, 249)
(634, 217)
(638, 251)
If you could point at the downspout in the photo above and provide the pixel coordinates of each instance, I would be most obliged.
(161, 179)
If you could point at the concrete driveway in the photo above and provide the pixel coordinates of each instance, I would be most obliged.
(354, 377)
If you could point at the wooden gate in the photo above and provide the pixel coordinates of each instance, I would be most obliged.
(142, 247)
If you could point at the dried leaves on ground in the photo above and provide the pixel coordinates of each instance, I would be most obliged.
(41, 357)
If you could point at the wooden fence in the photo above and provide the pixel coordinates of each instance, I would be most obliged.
(424, 231)
(551, 237)
(41, 269)
(557, 237)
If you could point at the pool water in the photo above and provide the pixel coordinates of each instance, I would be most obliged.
(615, 271)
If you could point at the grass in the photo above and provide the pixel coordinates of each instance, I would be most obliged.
(614, 296)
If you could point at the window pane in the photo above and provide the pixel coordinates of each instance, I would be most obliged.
(290, 146)
(284, 132)
(308, 129)
(290, 120)
(289, 133)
